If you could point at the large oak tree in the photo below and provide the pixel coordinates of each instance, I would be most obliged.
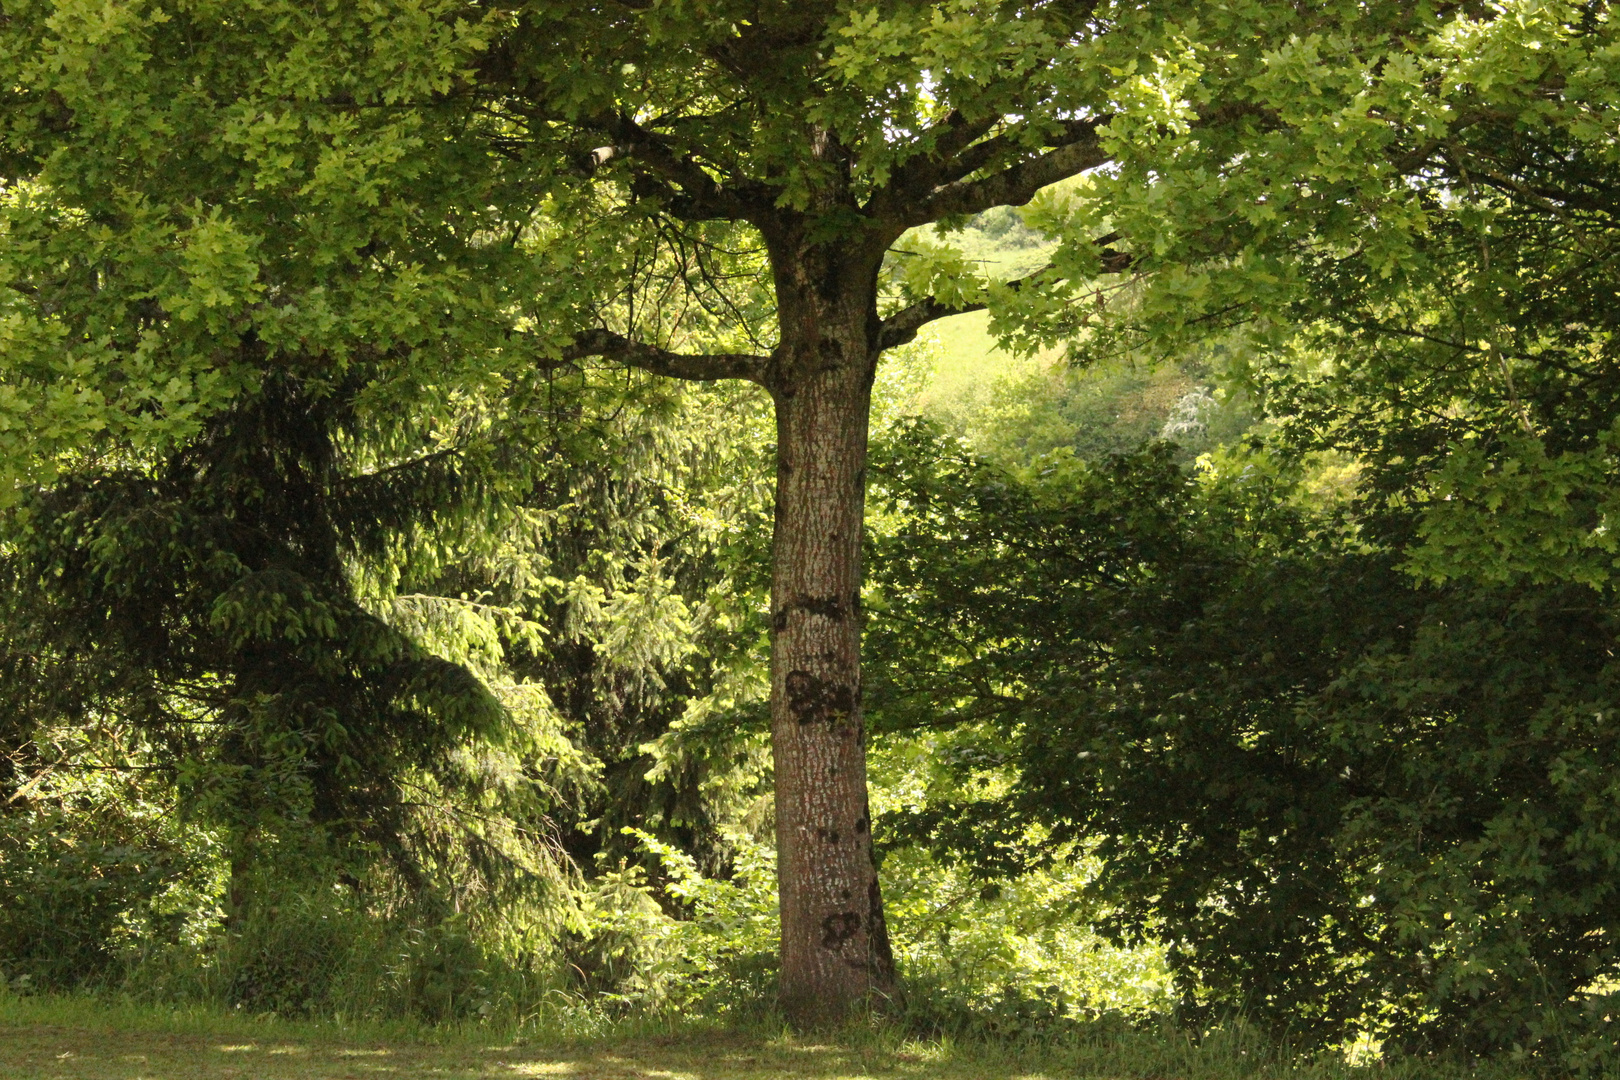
(204, 191)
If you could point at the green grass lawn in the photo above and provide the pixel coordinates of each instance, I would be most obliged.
(81, 1039)
(110, 1053)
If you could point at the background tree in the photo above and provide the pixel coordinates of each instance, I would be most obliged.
(1343, 801)
(1337, 707)
(248, 363)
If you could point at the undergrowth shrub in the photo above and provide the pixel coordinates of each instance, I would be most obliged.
(90, 887)
(324, 952)
(292, 957)
(1013, 960)
(696, 943)
(117, 896)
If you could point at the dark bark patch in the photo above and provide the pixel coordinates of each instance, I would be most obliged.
(839, 928)
(811, 698)
(829, 607)
(829, 836)
(861, 824)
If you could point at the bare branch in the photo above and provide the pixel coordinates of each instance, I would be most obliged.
(703, 367)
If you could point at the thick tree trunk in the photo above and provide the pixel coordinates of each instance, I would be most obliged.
(835, 946)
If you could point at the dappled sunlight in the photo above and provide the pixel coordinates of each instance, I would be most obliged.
(81, 1039)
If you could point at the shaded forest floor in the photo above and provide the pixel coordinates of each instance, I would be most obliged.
(80, 1039)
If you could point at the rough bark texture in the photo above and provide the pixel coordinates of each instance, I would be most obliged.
(835, 946)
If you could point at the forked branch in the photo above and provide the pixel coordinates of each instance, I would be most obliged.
(933, 186)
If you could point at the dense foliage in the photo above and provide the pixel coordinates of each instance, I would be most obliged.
(1335, 709)
(383, 633)
(1343, 798)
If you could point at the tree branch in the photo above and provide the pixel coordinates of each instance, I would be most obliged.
(920, 175)
(1016, 184)
(705, 367)
(929, 187)
(1075, 149)
(956, 133)
(901, 327)
(690, 192)
(982, 155)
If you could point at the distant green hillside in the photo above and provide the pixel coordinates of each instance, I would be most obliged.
(1014, 407)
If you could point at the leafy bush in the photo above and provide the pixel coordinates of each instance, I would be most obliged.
(1005, 960)
(1011, 958)
(324, 952)
(705, 943)
(103, 889)
(95, 877)
(1343, 800)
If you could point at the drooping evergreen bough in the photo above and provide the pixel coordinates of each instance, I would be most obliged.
(206, 601)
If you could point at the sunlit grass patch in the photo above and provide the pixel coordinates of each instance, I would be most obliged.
(82, 1039)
